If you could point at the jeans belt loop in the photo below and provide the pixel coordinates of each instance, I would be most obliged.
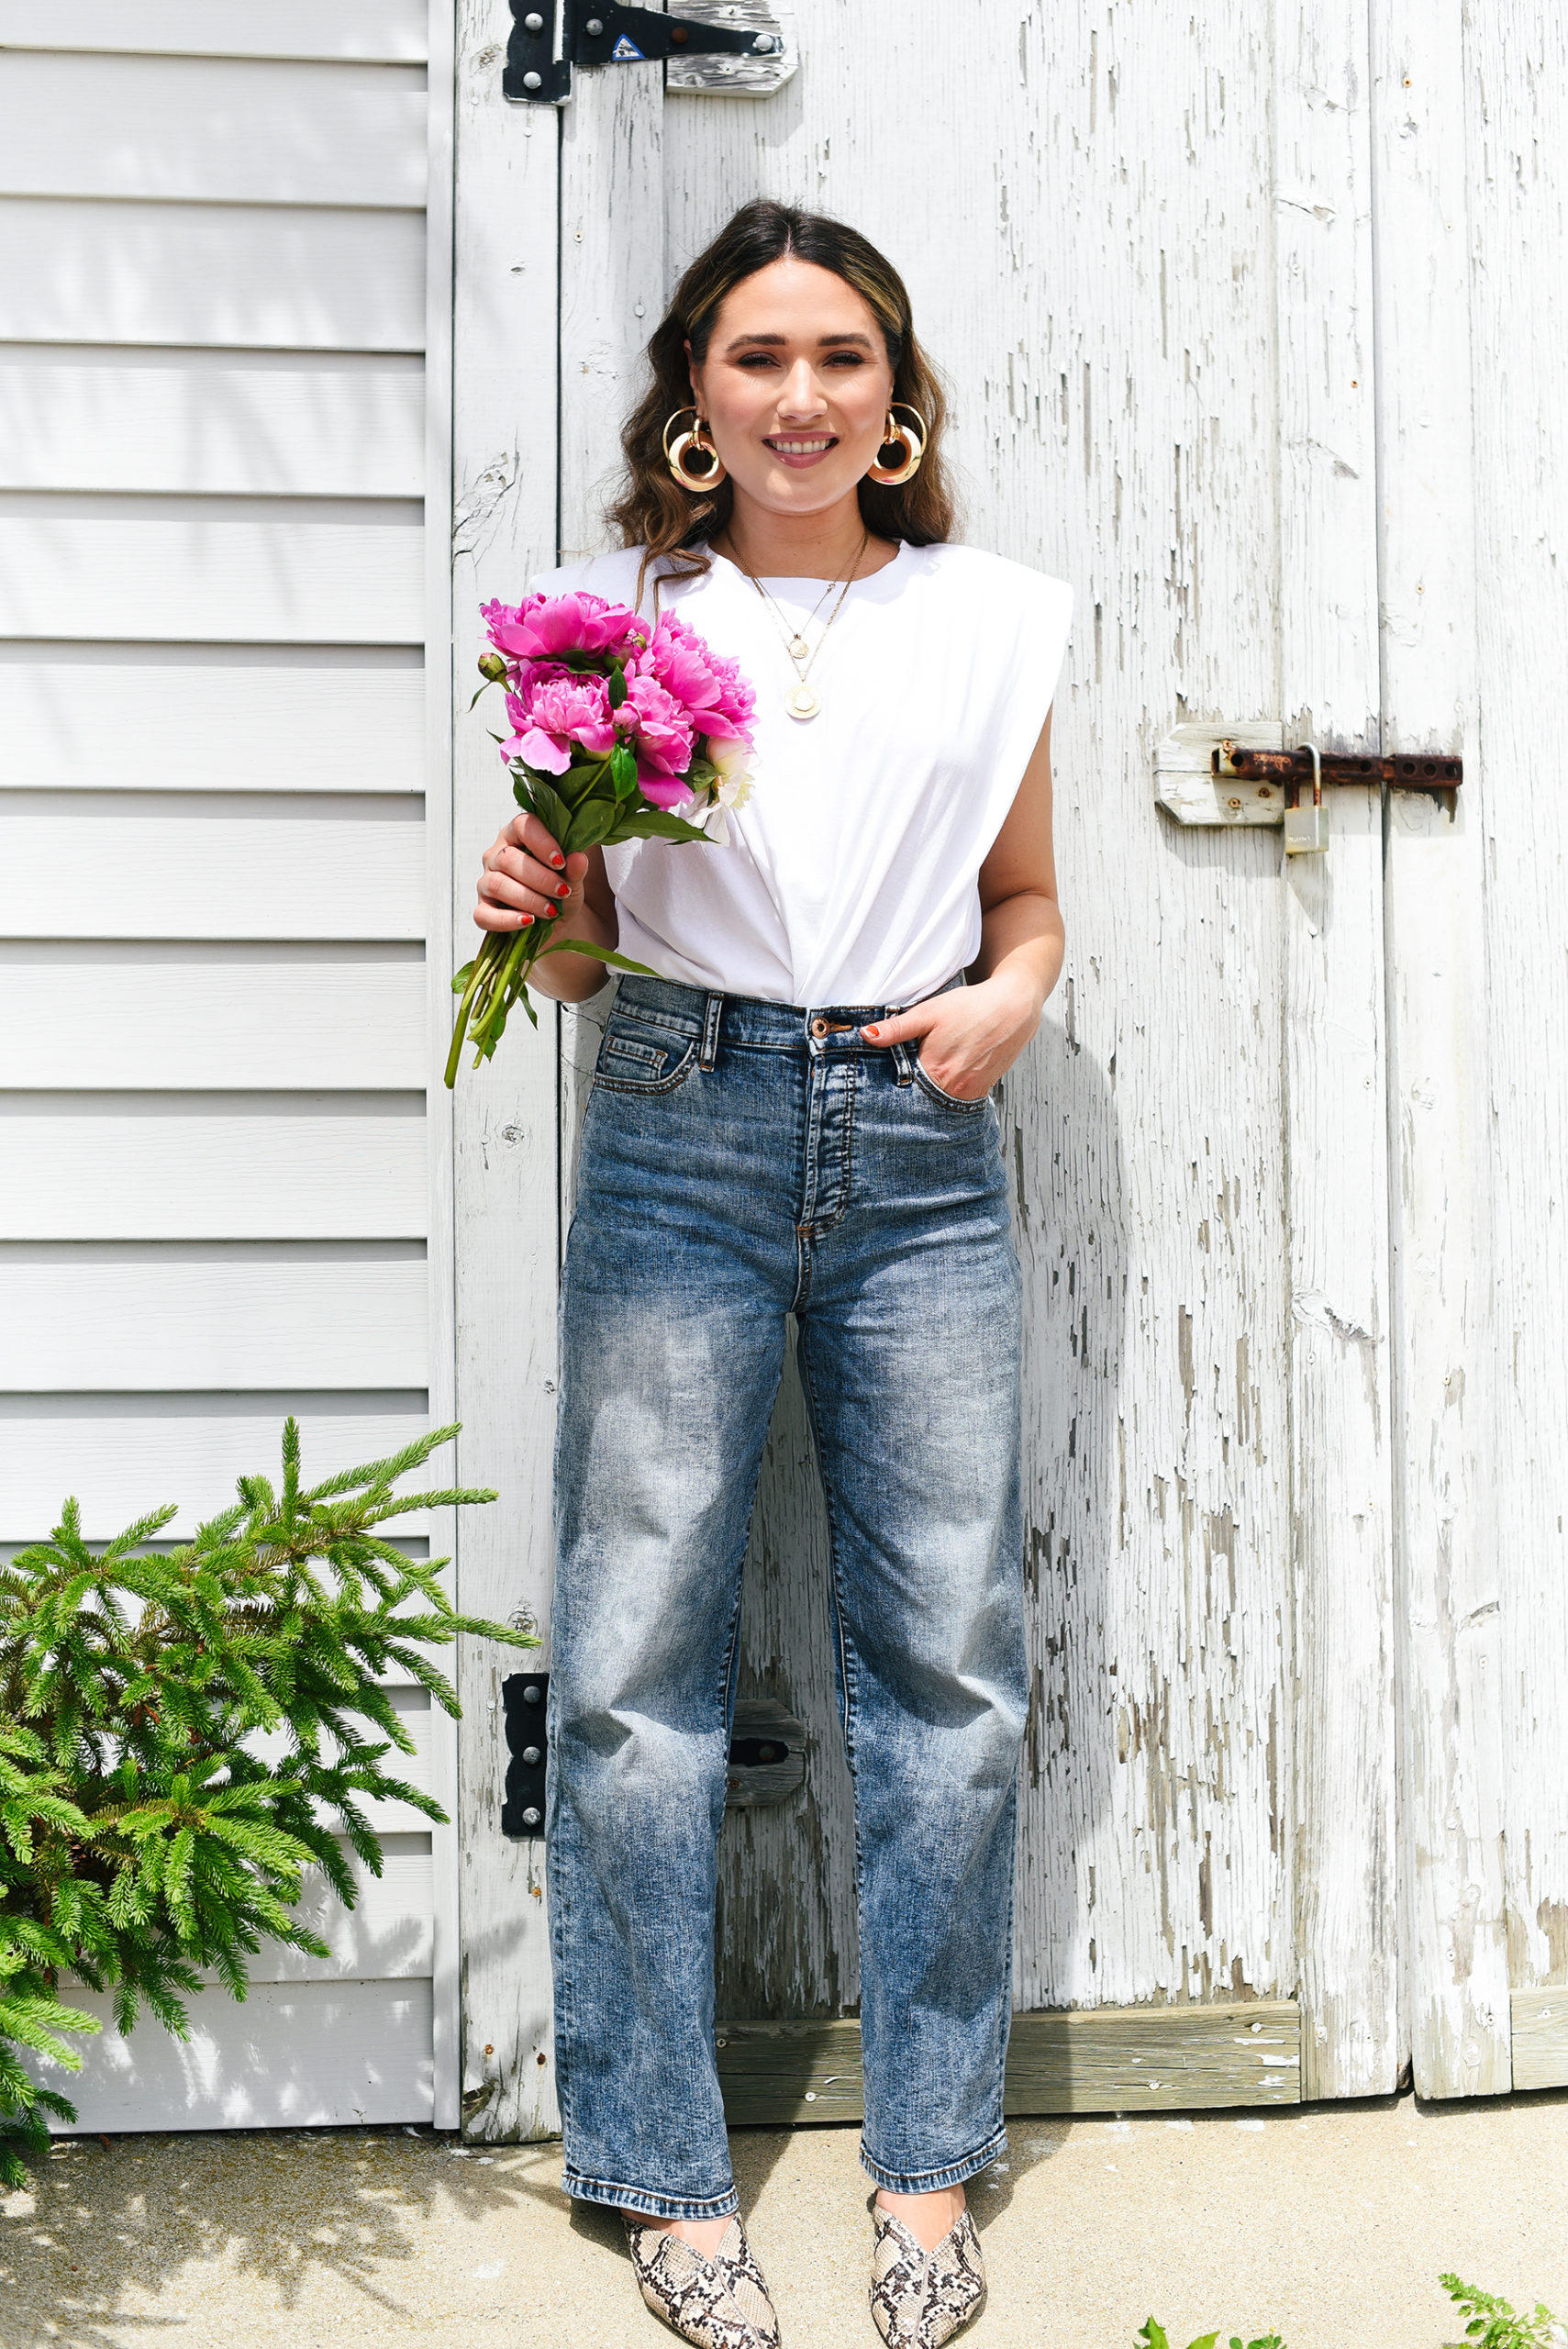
(711, 1018)
(901, 1062)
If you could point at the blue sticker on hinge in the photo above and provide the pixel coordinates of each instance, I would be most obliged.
(624, 51)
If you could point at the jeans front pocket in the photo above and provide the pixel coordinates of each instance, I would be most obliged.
(948, 1100)
(639, 1054)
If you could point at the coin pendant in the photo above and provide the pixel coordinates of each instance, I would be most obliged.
(798, 648)
(802, 702)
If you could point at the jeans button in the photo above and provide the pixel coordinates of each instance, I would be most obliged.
(820, 1027)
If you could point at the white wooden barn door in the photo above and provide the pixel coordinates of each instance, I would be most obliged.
(1143, 249)
(216, 589)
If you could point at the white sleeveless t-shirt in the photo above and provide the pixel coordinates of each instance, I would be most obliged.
(851, 876)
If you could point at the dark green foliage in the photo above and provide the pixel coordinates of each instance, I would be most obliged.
(1494, 2325)
(142, 1834)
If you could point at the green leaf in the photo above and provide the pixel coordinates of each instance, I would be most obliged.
(599, 953)
(657, 823)
(593, 820)
(616, 684)
(623, 772)
(1153, 2336)
(551, 810)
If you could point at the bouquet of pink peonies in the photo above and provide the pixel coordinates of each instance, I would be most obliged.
(615, 725)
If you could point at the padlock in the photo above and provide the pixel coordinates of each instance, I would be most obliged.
(1306, 827)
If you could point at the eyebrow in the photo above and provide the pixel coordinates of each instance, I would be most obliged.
(777, 341)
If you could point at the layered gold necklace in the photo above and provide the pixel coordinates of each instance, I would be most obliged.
(803, 699)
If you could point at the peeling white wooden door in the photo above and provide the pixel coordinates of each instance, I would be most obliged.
(1147, 250)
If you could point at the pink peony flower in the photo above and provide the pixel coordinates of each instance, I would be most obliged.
(660, 731)
(553, 713)
(543, 626)
(708, 686)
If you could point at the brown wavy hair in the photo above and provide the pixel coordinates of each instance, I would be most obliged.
(652, 510)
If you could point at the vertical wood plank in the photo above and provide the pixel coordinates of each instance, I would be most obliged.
(1517, 69)
(446, 1984)
(505, 1149)
(1336, 1188)
(1452, 1932)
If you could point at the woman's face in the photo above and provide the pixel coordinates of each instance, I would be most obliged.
(794, 387)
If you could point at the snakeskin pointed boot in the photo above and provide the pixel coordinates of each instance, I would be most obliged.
(719, 2303)
(920, 2299)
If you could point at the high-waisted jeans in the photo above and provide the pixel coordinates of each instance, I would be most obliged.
(742, 1161)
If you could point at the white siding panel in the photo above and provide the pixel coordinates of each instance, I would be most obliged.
(161, 1017)
(297, 2055)
(214, 1166)
(124, 1454)
(223, 570)
(197, 718)
(386, 31)
(386, 1934)
(192, 274)
(212, 130)
(91, 1317)
(190, 422)
(154, 865)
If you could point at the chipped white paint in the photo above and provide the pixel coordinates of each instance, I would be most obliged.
(1516, 198)
(1452, 1941)
(1188, 785)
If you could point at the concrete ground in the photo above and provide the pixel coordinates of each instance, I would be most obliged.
(1329, 2225)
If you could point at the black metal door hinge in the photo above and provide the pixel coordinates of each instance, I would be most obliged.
(551, 36)
(523, 1700)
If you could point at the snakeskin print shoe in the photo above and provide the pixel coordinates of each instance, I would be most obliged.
(719, 2303)
(920, 2299)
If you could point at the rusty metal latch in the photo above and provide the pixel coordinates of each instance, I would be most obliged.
(1423, 771)
(1245, 774)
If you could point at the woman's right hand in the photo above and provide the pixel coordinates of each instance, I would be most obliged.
(526, 879)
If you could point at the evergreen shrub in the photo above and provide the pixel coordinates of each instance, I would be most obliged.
(144, 1835)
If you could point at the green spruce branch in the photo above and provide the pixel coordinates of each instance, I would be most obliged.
(143, 1837)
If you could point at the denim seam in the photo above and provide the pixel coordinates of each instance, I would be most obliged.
(621, 2196)
(932, 2181)
(947, 1100)
(678, 1075)
(848, 1661)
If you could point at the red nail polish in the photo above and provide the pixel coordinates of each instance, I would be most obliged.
(524, 921)
(564, 890)
(555, 912)
(558, 861)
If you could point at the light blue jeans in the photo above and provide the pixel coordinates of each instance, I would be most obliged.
(742, 1161)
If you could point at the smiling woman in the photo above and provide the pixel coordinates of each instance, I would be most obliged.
(790, 1114)
(792, 287)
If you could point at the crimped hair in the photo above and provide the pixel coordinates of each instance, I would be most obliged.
(652, 510)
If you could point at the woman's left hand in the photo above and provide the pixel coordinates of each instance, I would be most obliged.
(969, 1036)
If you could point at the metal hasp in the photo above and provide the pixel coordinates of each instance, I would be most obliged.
(547, 41)
(1424, 771)
(523, 1700)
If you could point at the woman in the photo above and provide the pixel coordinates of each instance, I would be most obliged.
(794, 1117)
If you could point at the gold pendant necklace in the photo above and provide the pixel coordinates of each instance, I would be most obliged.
(802, 701)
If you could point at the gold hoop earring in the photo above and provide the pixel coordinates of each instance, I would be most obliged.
(911, 439)
(676, 458)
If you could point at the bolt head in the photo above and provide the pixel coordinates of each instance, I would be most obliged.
(532, 82)
(533, 22)
(530, 1694)
(531, 1756)
(594, 27)
(766, 44)
(531, 1816)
